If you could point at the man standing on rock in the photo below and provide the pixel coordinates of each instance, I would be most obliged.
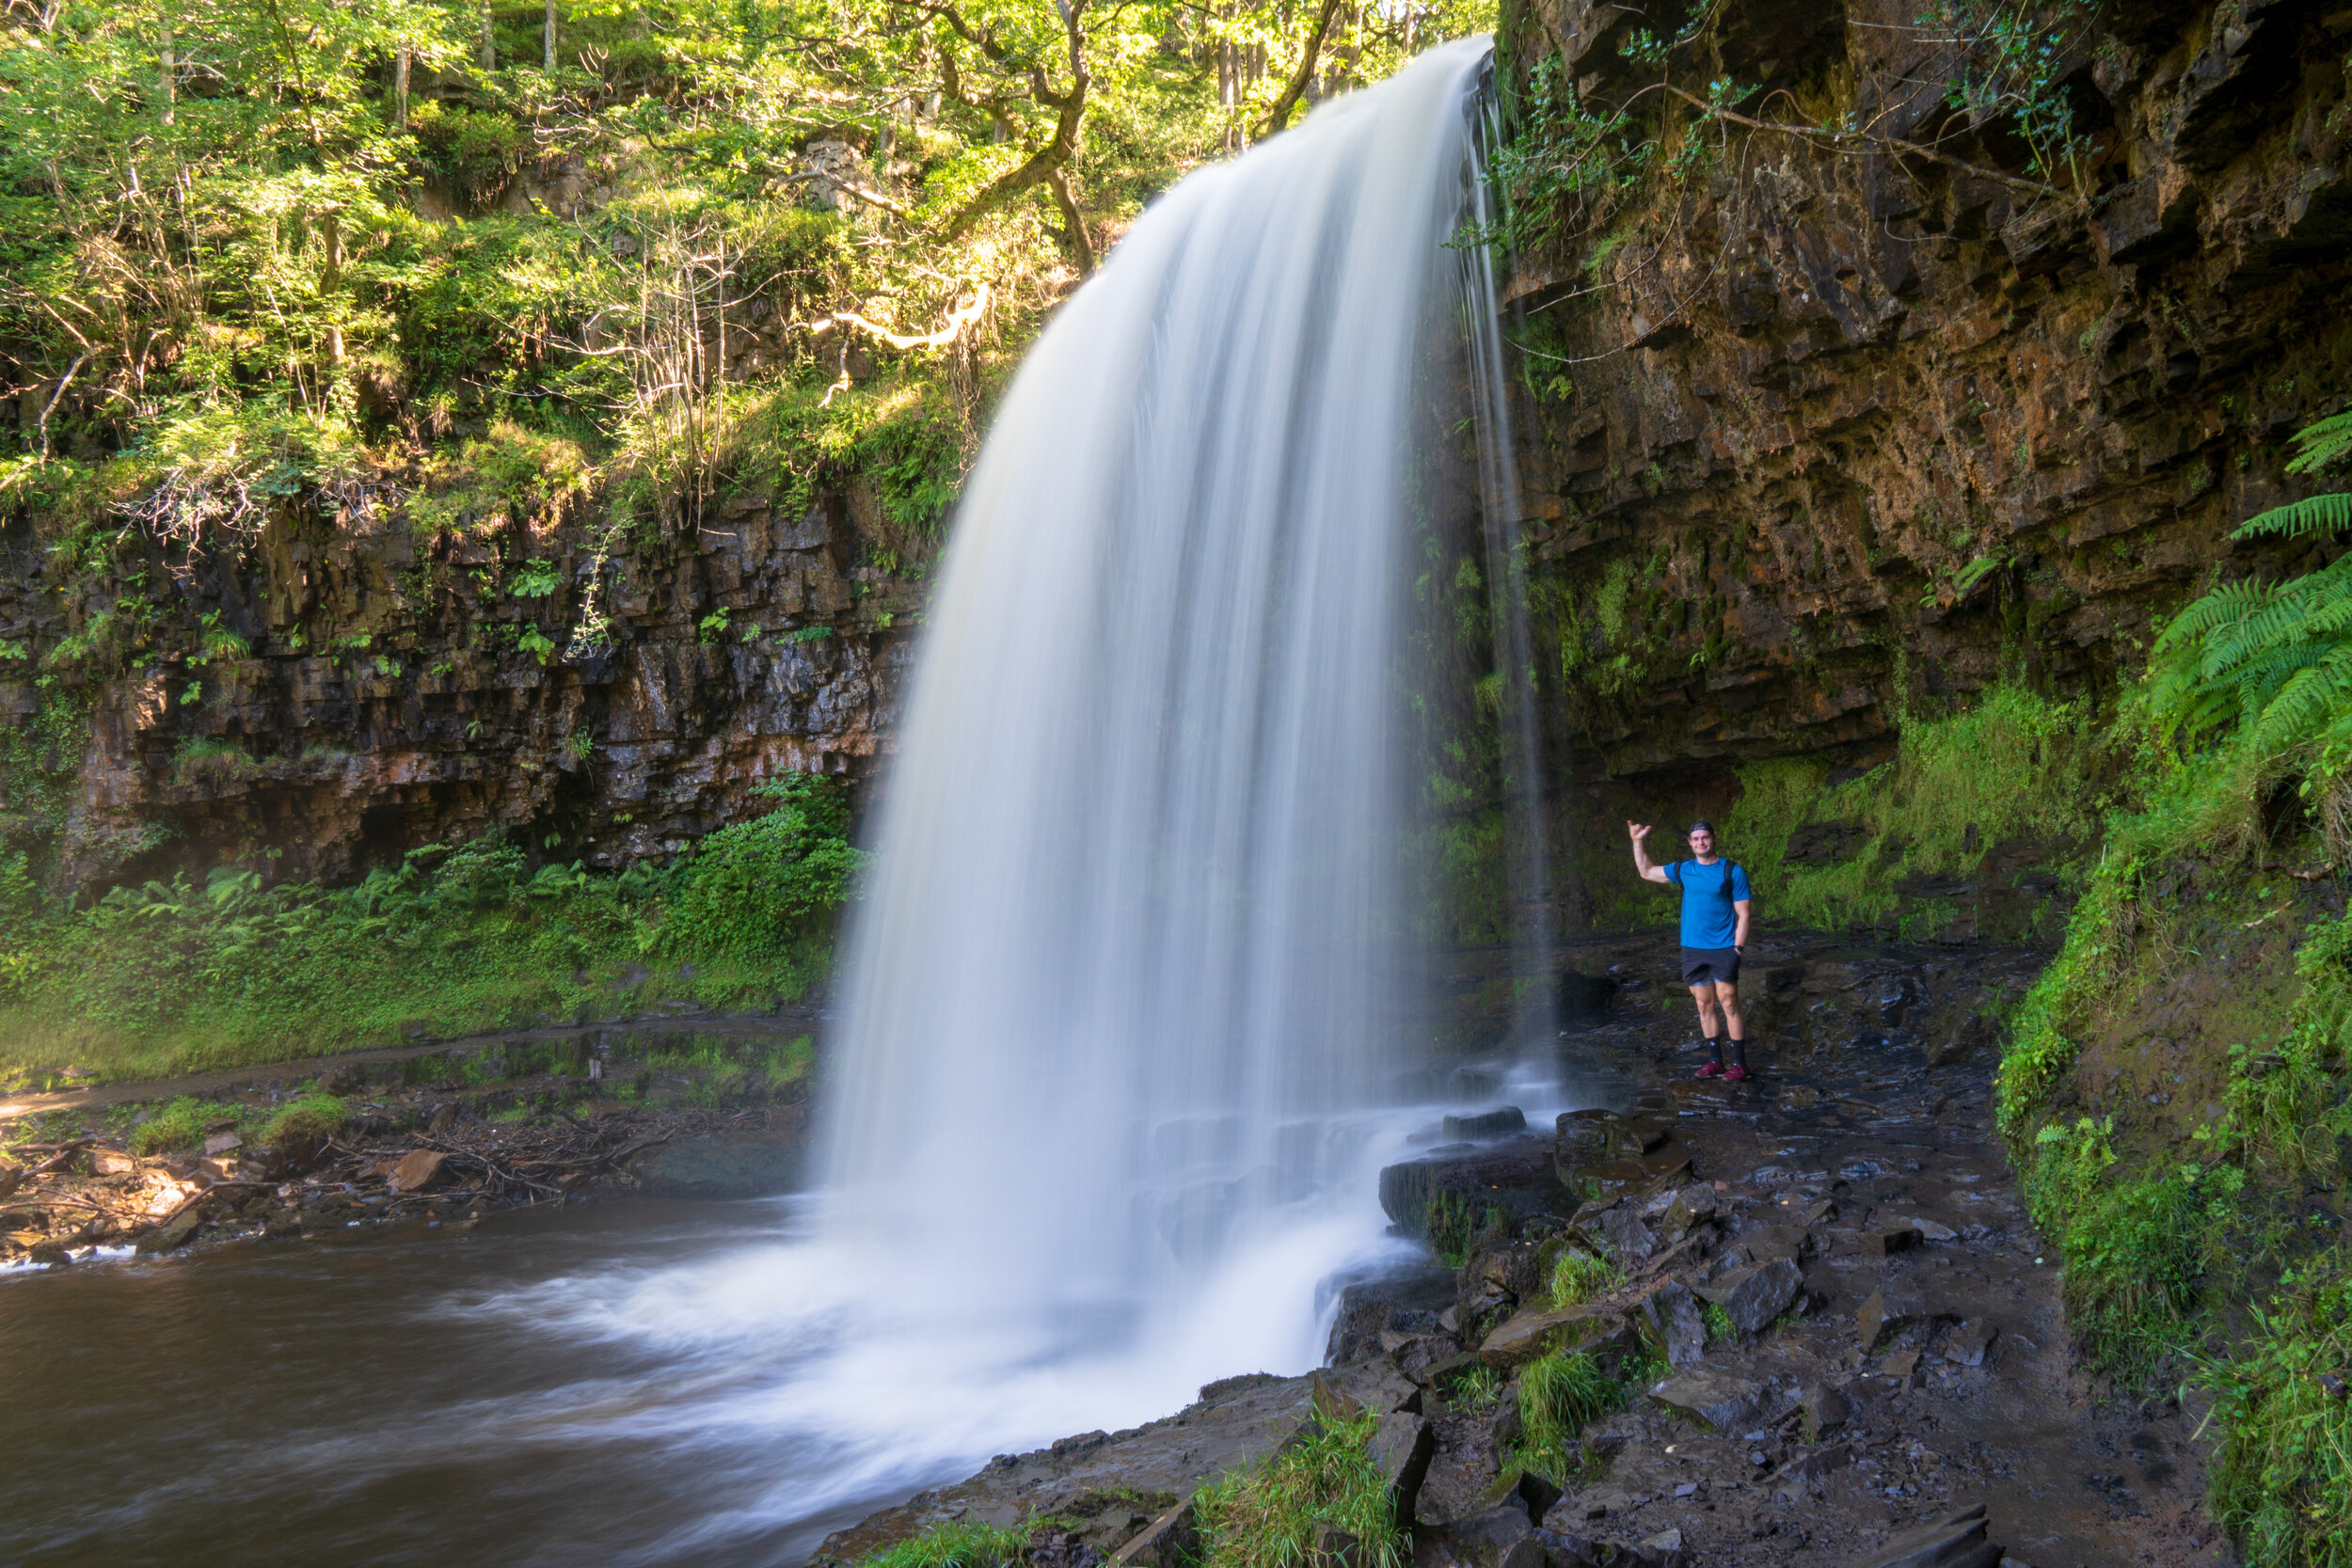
(1715, 906)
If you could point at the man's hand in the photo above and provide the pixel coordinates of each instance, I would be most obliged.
(1642, 867)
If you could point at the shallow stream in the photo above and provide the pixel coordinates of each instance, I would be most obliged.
(618, 1382)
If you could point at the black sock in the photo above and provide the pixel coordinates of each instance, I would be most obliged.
(1738, 1054)
(1715, 1049)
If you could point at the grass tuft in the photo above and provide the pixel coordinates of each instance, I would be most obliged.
(314, 1116)
(1577, 1277)
(1268, 1517)
(179, 1125)
(958, 1544)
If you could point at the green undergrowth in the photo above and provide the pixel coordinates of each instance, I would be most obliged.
(1269, 1518)
(1579, 1277)
(174, 976)
(1559, 1394)
(2175, 1084)
(958, 1544)
(2016, 768)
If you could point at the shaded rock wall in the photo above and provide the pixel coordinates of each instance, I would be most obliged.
(390, 696)
(1859, 434)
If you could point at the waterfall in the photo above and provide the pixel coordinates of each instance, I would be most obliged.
(1137, 926)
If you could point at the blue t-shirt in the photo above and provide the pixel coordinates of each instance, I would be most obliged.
(1708, 893)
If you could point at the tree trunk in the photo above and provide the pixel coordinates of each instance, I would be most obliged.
(402, 58)
(489, 46)
(546, 62)
(167, 68)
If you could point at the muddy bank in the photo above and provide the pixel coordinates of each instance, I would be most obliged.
(1830, 1320)
(443, 1133)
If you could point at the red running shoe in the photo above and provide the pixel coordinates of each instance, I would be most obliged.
(1734, 1073)
(1711, 1069)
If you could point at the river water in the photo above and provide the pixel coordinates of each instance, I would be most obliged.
(619, 1383)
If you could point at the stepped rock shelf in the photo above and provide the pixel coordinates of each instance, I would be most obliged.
(1887, 1380)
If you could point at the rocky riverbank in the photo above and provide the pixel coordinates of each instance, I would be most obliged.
(440, 1134)
(1834, 1335)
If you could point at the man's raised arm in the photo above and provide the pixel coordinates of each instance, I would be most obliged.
(1650, 871)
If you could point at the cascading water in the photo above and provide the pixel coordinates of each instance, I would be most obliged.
(1123, 1008)
(1137, 927)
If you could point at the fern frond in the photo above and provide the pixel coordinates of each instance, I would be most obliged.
(2305, 704)
(2312, 514)
(2230, 602)
(2276, 625)
(2257, 682)
(2323, 441)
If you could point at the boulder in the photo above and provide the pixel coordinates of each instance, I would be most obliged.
(1630, 1243)
(112, 1161)
(751, 1163)
(1484, 1124)
(1405, 1303)
(174, 1232)
(1955, 1541)
(1880, 1317)
(1401, 1450)
(1671, 1319)
(1727, 1403)
(1753, 1297)
(1968, 1343)
(1171, 1541)
(1529, 1334)
(417, 1170)
(1889, 1240)
(1582, 1136)
(1662, 1550)
(1825, 1409)
(1497, 1537)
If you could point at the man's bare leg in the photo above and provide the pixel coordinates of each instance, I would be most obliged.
(1727, 997)
(1711, 1027)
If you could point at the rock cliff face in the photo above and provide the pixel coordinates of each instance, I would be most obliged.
(1825, 433)
(337, 692)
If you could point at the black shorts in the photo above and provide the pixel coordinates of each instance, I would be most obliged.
(1702, 964)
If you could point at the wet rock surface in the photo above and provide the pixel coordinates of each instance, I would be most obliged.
(1875, 1402)
(1897, 1353)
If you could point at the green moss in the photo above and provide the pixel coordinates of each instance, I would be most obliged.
(2015, 767)
(177, 1125)
(313, 1116)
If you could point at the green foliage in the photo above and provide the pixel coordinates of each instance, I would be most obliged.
(177, 1125)
(958, 1544)
(751, 888)
(2280, 1475)
(1577, 1277)
(1721, 1330)
(203, 760)
(1268, 1517)
(2013, 767)
(1559, 1394)
(2016, 64)
(2136, 1250)
(2274, 659)
(313, 1116)
(169, 975)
